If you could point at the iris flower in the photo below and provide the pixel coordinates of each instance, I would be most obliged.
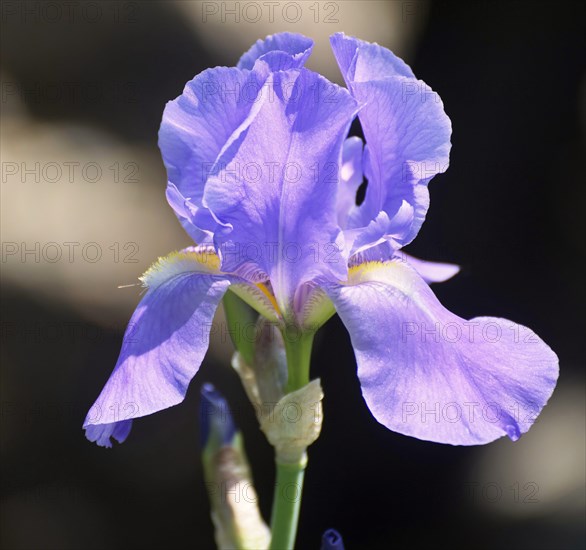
(264, 178)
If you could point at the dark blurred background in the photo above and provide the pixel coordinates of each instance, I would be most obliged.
(83, 89)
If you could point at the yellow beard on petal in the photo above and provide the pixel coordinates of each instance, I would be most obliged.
(270, 296)
(167, 267)
(392, 272)
(367, 271)
(395, 275)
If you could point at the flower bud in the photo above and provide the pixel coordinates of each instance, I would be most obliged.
(332, 540)
(265, 378)
(234, 502)
(295, 423)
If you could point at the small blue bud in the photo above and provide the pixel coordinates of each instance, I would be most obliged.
(215, 418)
(332, 540)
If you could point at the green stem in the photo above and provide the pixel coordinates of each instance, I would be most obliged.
(289, 485)
(298, 350)
(286, 504)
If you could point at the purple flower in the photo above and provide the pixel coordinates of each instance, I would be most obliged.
(264, 178)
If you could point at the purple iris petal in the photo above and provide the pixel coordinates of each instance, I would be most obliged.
(361, 61)
(380, 253)
(350, 179)
(101, 433)
(210, 114)
(274, 190)
(431, 272)
(407, 137)
(190, 216)
(279, 51)
(430, 374)
(164, 345)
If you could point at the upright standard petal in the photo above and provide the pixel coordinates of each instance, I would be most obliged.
(407, 140)
(280, 52)
(164, 344)
(430, 374)
(214, 108)
(274, 189)
(350, 178)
